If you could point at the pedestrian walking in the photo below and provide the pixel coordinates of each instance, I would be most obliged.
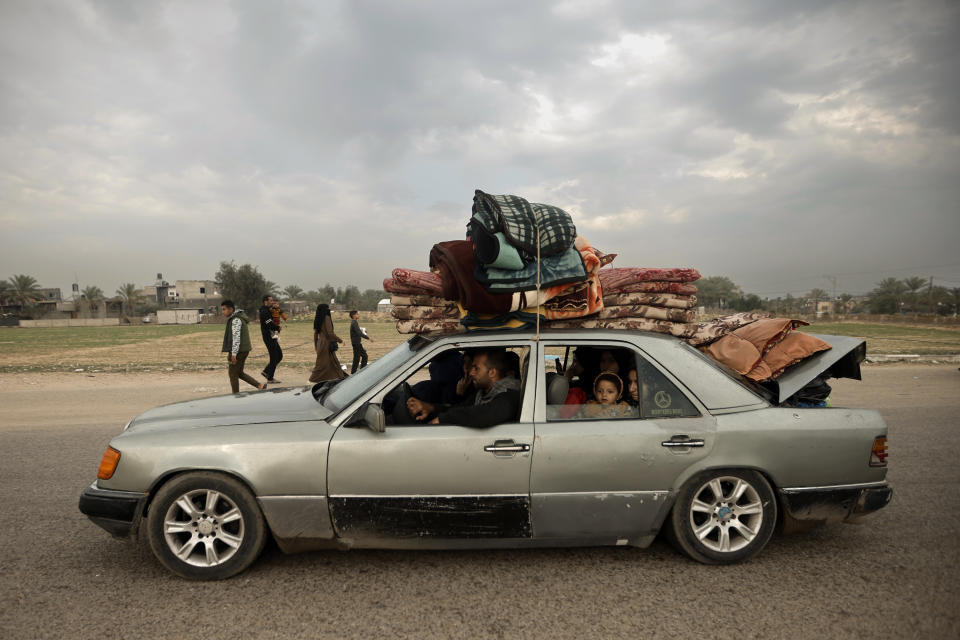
(270, 331)
(357, 334)
(236, 344)
(325, 343)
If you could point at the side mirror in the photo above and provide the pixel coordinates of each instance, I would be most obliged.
(374, 419)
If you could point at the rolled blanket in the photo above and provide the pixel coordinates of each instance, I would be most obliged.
(390, 286)
(677, 329)
(404, 312)
(615, 278)
(672, 300)
(419, 301)
(555, 270)
(489, 321)
(428, 326)
(423, 280)
(646, 311)
(707, 332)
(652, 287)
(455, 261)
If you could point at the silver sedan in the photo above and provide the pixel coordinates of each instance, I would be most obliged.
(693, 450)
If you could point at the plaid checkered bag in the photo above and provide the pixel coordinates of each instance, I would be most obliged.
(519, 220)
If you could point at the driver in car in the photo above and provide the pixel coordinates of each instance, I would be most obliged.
(497, 399)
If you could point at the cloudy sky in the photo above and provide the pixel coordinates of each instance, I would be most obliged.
(774, 143)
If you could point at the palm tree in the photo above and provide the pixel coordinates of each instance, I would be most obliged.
(23, 288)
(128, 292)
(293, 292)
(913, 285)
(92, 294)
(887, 297)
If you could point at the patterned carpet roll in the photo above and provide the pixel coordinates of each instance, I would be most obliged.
(404, 312)
(615, 277)
(428, 326)
(653, 299)
(646, 311)
(653, 287)
(419, 301)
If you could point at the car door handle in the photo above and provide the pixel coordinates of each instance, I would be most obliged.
(506, 446)
(682, 441)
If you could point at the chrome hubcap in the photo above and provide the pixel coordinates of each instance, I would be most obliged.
(726, 514)
(203, 528)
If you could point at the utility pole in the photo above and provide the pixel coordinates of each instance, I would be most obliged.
(833, 298)
(930, 294)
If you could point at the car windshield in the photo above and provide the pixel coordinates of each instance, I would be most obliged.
(346, 391)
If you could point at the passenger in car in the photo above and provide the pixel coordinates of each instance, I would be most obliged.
(497, 399)
(633, 388)
(607, 391)
(588, 363)
(445, 371)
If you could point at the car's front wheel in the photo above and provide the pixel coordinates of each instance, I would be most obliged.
(205, 526)
(722, 517)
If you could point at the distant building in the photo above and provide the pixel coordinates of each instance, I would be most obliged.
(196, 290)
(824, 307)
(161, 291)
(384, 306)
(179, 316)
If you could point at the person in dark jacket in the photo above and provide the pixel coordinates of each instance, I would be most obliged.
(496, 401)
(356, 341)
(270, 332)
(236, 344)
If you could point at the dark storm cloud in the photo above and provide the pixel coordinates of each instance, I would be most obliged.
(333, 141)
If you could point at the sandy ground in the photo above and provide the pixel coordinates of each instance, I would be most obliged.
(894, 576)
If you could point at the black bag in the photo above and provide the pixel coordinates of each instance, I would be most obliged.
(333, 346)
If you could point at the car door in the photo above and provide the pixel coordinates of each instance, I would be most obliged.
(607, 479)
(417, 482)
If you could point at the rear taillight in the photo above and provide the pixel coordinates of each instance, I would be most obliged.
(878, 457)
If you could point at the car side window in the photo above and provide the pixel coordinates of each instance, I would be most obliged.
(587, 382)
(656, 396)
(445, 381)
(599, 382)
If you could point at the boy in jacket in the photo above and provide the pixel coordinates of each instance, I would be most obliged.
(236, 344)
(356, 341)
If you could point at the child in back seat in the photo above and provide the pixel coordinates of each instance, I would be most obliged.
(607, 391)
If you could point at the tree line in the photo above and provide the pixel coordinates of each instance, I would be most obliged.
(891, 296)
(246, 286)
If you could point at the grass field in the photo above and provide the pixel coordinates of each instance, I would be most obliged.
(197, 347)
(895, 338)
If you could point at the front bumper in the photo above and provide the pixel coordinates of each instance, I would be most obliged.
(835, 504)
(118, 512)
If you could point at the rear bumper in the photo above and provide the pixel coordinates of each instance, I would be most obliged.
(837, 503)
(118, 512)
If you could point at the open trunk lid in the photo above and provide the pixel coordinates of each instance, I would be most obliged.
(841, 360)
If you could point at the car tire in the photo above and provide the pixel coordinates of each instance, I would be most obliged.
(205, 526)
(723, 517)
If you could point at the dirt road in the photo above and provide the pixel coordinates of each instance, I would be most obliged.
(896, 575)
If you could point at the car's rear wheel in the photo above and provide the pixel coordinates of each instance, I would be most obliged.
(205, 526)
(722, 517)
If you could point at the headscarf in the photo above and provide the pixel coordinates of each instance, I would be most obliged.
(323, 311)
(611, 377)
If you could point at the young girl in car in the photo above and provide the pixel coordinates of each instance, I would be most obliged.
(607, 391)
